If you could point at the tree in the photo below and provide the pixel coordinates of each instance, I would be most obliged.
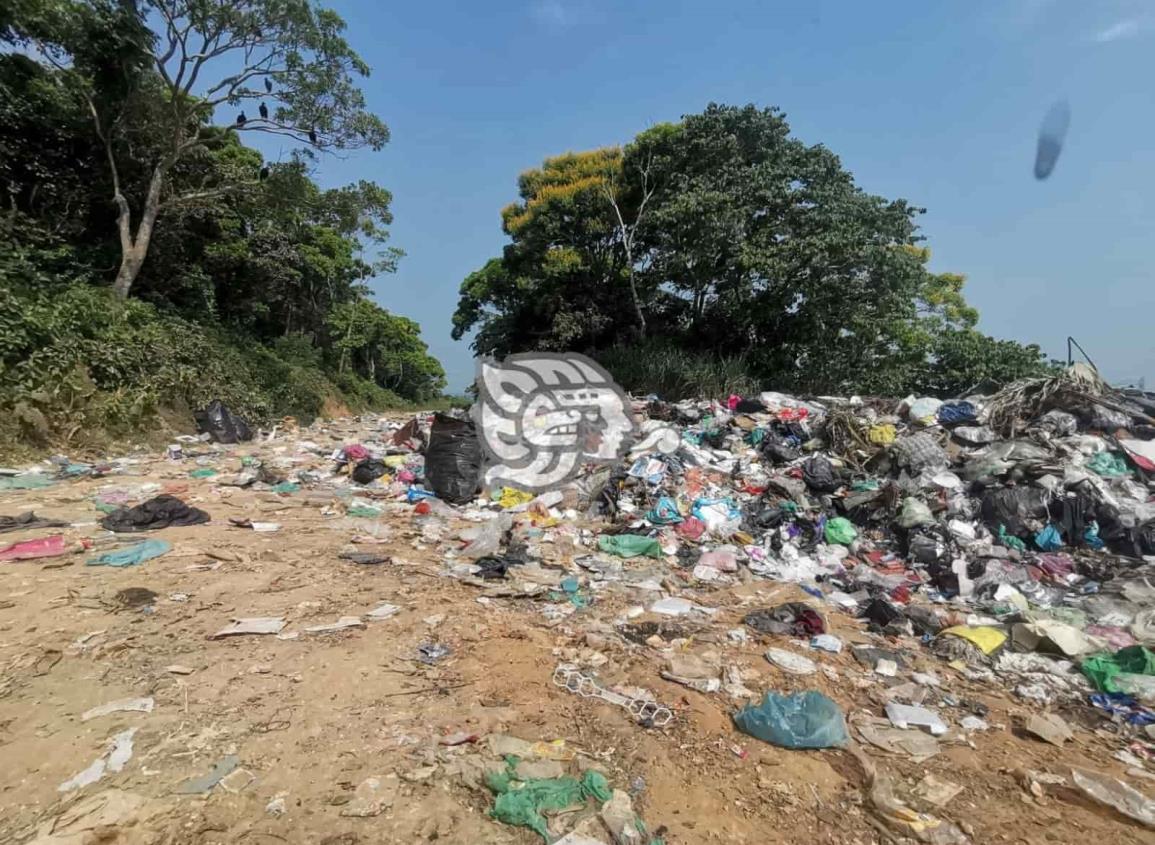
(721, 235)
(569, 279)
(385, 348)
(154, 98)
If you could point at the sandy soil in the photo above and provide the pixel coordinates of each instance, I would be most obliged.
(311, 718)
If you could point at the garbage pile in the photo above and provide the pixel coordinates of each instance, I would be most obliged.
(1009, 537)
(911, 553)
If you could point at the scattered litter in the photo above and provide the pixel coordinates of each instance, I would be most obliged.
(791, 663)
(124, 705)
(342, 624)
(385, 611)
(115, 758)
(1114, 793)
(430, 653)
(253, 625)
(132, 555)
(799, 720)
(204, 784)
(911, 716)
(644, 710)
(935, 791)
(1048, 727)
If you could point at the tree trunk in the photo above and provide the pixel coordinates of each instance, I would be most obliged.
(134, 248)
(637, 305)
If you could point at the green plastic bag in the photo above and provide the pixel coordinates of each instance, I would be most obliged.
(629, 545)
(1102, 668)
(521, 803)
(1109, 465)
(203, 472)
(840, 530)
(1010, 541)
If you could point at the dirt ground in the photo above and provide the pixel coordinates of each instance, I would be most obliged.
(311, 718)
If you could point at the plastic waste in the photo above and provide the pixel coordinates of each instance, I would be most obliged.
(132, 555)
(221, 424)
(1109, 465)
(923, 410)
(33, 549)
(915, 512)
(818, 474)
(840, 530)
(1103, 669)
(799, 720)
(629, 545)
(521, 803)
(453, 459)
(368, 471)
(1049, 539)
(1114, 793)
(664, 512)
(484, 540)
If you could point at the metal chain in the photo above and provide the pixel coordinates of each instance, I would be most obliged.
(647, 712)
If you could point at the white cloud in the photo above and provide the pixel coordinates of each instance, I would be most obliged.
(1128, 28)
(551, 13)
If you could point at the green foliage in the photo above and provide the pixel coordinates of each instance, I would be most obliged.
(250, 265)
(744, 245)
(653, 367)
(77, 365)
(964, 358)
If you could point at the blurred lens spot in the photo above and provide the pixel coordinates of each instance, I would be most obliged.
(1052, 132)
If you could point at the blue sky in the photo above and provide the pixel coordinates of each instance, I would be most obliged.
(935, 102)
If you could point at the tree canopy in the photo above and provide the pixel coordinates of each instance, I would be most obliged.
(109, 104)
(722, 234)
(156, 97)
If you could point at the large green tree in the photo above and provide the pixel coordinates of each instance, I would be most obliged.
(154, 94)
(725, 235)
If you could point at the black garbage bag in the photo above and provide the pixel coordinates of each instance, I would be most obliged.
(1145, 534)
(368, 470)
(750, 406)
(762, 518)
(927, 549)
(777, 449)
(156, 513)
(222, 424)
(882, 613)
(818, 473)
(1013, 507)
(453, 459)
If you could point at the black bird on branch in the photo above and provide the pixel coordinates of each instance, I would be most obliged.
(268, 85)
(264, 110)
(241, 119)
(264, 173)
(312, 135)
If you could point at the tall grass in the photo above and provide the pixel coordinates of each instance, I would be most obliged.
(674, 374)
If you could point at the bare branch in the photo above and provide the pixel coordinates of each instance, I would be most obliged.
(212, 193)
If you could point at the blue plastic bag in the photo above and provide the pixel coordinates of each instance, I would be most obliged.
(956, 413)
(1049, 539)
(664, 512)
(415, 494)
(132, 555)
(800, 720)
(1091, 537)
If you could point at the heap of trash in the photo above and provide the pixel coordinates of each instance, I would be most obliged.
(1009, 536)
(914, 549)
